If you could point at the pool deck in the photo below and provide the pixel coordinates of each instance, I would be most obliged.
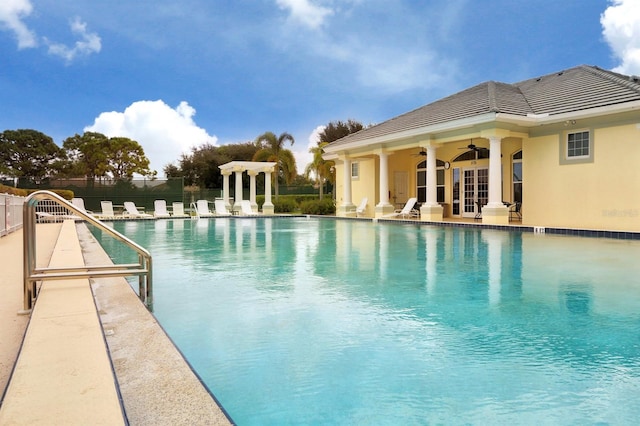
(91, 353)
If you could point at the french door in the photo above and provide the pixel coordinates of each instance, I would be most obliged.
(475, 188)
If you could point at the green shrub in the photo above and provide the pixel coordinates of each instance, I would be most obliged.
(4, 189)
(284, 205)
(325, 206)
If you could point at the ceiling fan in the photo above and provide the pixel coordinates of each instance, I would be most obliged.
(473, 147)
(422, 153)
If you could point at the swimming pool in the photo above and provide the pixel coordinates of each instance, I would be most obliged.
(319, 321)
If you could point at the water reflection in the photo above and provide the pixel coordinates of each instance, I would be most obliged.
(371, 317)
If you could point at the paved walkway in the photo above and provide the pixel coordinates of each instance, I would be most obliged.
(11, 294)
(156, 385)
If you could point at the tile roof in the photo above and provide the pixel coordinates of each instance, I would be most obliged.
(575, 89)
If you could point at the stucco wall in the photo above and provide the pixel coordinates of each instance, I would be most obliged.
(603, 194)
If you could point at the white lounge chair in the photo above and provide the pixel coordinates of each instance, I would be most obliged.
(79, 203)
(245, 208)
(221, 208)
(407, 211)
(202, 209)
(132, 211)
(361, 209)
(107, 210)
(178, 209)
(160, 209)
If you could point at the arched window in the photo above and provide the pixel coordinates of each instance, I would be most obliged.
(421, 179)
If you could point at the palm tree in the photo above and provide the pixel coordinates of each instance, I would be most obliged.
(272, 149)
(320, 167)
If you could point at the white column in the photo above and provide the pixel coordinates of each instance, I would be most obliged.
(268, 205)
(346, 180)
(252, 187)
(495, 172)
(432, 177)
(225, 186)
(384, 178)
(238, 194)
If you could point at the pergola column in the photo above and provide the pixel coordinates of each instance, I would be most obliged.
(252, 189)
(267, 207)
(225, 186)
(238, 192)
(495, 212)
(347, 205)
(431, 211)
(383, 207)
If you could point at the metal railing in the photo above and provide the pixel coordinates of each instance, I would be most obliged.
(48, 206)
(10, 217)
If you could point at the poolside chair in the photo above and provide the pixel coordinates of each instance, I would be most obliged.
(132, 211)
(407, 211)
(478, 215)
(221, 208)
(514, 211)
(107, 210)
(160, 209)
(79, 203)
(178, 209)
(245, 208)
(202, 209)
(361, 209)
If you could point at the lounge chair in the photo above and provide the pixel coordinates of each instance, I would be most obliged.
(107, 210)
(361, 209)
(132, 211)
(221, 208)
(478, 215)
(79, 203)
(407, 211)
(245, 208)
(160, 209)
(178, 209)
(514, 211)
(202, 209)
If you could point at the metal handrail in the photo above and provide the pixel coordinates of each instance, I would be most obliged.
(32, 274)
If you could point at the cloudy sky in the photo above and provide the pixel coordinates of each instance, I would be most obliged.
(173, 74)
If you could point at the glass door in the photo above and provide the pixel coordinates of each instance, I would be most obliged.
(475, 187)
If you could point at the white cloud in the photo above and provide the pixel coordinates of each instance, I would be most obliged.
(11, 14)
(621, 29)
(164, 133)
(88, 43)
(305, 12)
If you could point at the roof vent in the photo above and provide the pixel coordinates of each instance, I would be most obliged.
(561, 72)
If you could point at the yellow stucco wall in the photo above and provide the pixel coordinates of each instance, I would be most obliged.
(604, 194)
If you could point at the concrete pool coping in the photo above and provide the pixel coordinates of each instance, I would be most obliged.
(155, 383)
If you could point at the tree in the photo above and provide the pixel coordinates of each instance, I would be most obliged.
(94, 155)
(86, 155)
(201, 167)
(126, 157)
(271, 148)
(320, 167)
(28, 153)
(338, 129)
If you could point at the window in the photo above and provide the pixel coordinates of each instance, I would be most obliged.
(421, 180)
(517, 177)
(355, 170)
(578, 144)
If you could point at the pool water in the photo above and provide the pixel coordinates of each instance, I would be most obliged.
(319, 321)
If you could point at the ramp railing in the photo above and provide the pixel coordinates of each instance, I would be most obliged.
(63, 210)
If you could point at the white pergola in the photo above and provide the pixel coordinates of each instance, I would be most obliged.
(252, 168)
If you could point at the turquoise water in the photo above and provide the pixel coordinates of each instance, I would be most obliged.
(315, 321)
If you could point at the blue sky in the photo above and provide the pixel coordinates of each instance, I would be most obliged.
(175, 74)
